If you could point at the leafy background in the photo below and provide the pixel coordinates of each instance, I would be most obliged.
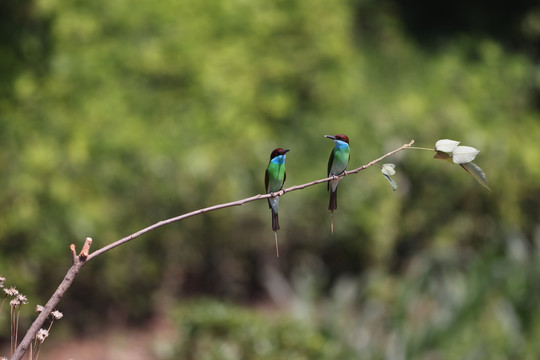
(115, 115)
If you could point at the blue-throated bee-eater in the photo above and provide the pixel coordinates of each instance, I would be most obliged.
(274, 179)
(339, 159)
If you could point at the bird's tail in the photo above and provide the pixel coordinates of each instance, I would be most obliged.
(275, 221)
(333, 200)
(277, 247)
(332, 221)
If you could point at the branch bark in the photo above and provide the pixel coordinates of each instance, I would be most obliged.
(80, 260)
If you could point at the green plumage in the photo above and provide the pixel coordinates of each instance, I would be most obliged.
(339, 159)
(274, 179)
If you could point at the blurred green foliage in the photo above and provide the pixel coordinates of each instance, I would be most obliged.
(213, 330)
(445, 305)
(115, 115)
(449, 304)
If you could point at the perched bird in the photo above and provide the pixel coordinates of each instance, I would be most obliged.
(339, 159)
(274, 179)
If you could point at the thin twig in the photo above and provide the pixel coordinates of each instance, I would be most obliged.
(80, 260)
(420, 148)
(17, 324)
(12, 331)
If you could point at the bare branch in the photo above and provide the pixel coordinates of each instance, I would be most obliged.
(80, 260)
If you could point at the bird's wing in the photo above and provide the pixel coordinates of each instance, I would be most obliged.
(330, 162)
(266, 180)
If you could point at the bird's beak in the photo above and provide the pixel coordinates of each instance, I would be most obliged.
(330, 137)
(286, 151)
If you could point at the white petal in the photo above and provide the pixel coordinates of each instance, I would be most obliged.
(464, 154)
(446, 145)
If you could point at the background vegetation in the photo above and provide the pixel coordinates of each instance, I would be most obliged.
(115, 115)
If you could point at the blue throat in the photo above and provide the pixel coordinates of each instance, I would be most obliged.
(280, 159)
(341, 144)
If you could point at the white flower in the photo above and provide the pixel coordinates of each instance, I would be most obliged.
(22, 299)
(11, 291)
(42, 334)
(57, 314)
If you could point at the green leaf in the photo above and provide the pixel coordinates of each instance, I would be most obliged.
(476, 173)
(391, 181)
(388, 169)
(446, 145)
(464, 154)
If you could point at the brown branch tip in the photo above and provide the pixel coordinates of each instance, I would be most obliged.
(73, 252)
(86, 249)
